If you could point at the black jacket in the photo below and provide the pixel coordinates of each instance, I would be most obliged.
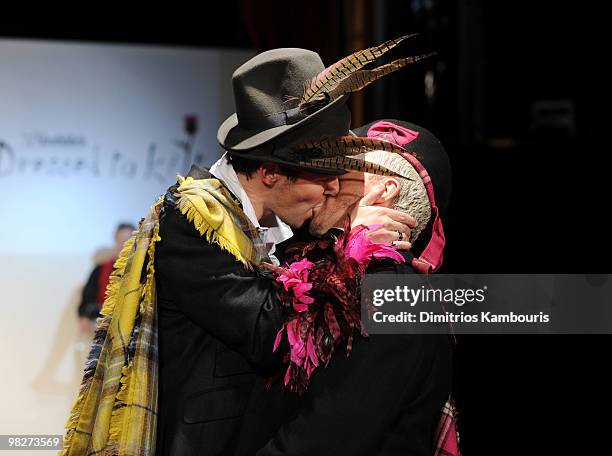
(385, 399)
(217, 324)
(89, 306)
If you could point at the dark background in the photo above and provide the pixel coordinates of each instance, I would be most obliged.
(530, 189)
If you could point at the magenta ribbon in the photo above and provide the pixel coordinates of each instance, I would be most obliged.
(388, 131)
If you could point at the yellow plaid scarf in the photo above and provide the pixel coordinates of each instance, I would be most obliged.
(116, 409)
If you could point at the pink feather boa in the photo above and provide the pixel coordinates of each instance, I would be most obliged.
(322, 284)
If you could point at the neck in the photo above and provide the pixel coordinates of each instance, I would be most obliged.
(255, 195)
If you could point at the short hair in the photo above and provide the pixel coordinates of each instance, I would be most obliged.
(125, 226)
(248, 167)
(412, 197)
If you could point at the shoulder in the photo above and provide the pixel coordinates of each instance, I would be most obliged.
(172, 222)
(95, 272)
(181, 242)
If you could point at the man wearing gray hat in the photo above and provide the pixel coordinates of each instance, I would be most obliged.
(218, 313)
(190, 316)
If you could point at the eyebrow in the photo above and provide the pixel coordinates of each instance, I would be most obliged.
(351, 179)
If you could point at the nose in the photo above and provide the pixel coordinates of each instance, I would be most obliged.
(332, 186)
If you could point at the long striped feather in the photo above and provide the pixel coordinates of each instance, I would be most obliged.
(350, 164)
(341, 146)
(360, 79)
(329, 78)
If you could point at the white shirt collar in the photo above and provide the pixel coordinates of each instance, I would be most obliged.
(271, 235)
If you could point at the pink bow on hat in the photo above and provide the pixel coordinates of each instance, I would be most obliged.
(388, 131)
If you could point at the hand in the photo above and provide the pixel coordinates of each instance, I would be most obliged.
(392, 221)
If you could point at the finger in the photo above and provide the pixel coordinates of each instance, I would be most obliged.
(382, 236)
(400, 216)
(372, 196)
(392, 225)
(409, 220)
(272, 267)
(385, 236)
(402, 245)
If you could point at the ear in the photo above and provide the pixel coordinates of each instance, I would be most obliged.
(269, 174)
(387, 191)
(392, 188)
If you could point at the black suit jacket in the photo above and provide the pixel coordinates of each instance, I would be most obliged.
(89, 306)
(385, 399)
(217, 323)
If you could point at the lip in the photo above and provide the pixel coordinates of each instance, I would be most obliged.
(320, 204)
(316, 208)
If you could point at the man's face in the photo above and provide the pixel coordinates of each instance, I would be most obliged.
(296, 200)
(335, 208)
(121, 236)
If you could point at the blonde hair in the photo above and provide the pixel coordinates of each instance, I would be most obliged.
(412, 197)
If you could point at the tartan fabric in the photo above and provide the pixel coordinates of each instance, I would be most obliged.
(115, 413)
(447, 436)
(210, 206)
(116, 410)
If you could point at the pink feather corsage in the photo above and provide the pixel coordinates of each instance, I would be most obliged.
(322, 286)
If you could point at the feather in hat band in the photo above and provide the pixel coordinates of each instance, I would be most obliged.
(346, 75)
(345, 153)
(343, 77)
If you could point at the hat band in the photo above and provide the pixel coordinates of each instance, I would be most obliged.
(276, 119)
(288, 117)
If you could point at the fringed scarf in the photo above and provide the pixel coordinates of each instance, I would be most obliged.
(116, 409)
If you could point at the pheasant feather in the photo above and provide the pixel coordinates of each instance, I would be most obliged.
(350, 164)
(342, 146)
(360, 79)
(333, 74)
(346, 75)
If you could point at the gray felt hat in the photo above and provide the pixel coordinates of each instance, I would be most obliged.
(286, 97)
